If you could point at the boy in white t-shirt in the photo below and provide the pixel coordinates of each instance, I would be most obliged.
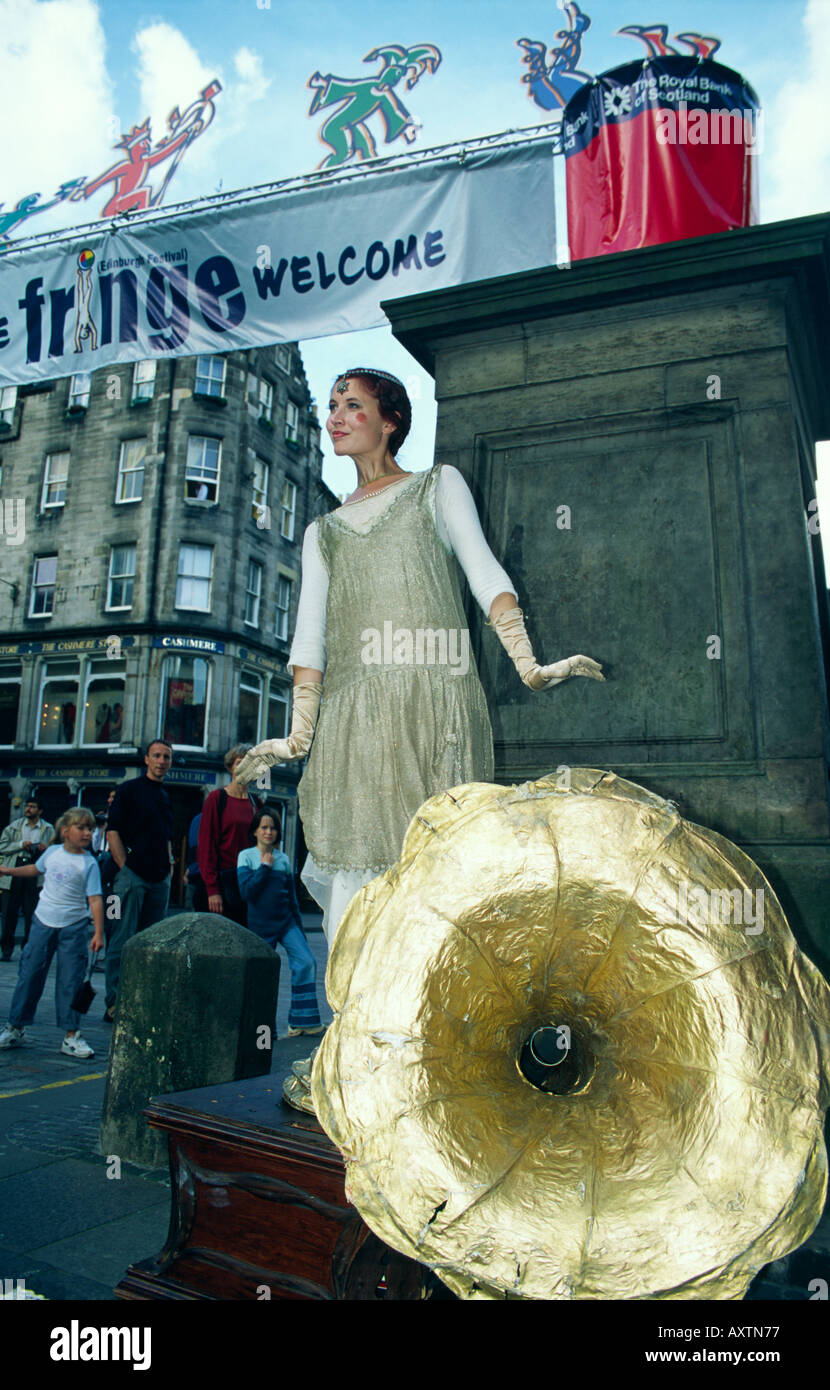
(71, 893)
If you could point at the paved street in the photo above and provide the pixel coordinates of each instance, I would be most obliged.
(66, 1228)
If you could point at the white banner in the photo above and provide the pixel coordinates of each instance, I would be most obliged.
(275, 267)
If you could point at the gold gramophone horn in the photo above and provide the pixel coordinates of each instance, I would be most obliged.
(673, 1148)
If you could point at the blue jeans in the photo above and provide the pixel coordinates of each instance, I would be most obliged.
(303, 1011)
(71, 944)
(142, 905)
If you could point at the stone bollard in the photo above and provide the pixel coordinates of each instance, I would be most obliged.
(197, 993)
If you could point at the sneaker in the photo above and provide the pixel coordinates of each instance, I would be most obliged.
(76, 1047)
(11, 1036)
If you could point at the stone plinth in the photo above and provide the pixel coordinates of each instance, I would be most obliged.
(196, 994)
(638, 431)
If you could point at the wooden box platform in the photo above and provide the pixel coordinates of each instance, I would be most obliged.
(259, 1208)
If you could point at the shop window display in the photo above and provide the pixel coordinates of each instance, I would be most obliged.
(104, 703)
(10, 678)
(58, 704)
(250, 699)
(185, 692)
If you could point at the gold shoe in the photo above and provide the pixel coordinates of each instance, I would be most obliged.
(295, 1094)
(302, 1069)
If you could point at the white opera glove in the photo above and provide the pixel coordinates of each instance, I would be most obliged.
(512, 634)
(304, 712)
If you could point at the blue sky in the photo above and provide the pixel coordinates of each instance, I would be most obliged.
(74, 70)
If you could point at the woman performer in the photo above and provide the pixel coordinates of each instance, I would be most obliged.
(404, 715)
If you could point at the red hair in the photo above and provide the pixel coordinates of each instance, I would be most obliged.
(393, 404)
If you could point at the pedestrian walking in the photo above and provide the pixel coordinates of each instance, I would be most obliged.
(71, 894)
(192, 878)
(106, 865)
(103, 853)
(139, 839)
(99, 834)
(99, 838)
(224, 831)
(22, 842)
(267, 885)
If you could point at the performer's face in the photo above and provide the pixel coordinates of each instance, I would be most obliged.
(354, 423)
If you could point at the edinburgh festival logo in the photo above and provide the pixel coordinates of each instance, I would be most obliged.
(84, 322)
(552, 79)
(346, 132)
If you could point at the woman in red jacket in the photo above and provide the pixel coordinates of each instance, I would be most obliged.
(224, 831)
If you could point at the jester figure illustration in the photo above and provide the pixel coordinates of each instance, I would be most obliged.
(552, 82)
(551, 85)
(655, 38)
(346, 132)
(129, 174)
(29, 205)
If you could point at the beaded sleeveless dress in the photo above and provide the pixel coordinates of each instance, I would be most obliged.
(403, 715)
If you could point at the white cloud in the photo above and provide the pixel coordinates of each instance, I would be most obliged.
(796, 173)
(56, 101)
(249, 70)
(170, 73)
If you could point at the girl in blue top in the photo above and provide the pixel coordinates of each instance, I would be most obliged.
(70, 895)
(267, 886)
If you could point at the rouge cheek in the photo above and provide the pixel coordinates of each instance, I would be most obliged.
(360, 417)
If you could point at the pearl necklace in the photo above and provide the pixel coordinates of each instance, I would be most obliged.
(352, 500)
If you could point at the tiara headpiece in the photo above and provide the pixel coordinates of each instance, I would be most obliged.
(343, 377)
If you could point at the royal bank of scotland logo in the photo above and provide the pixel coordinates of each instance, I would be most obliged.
(617, 102)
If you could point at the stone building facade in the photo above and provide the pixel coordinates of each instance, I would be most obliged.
(153, 516)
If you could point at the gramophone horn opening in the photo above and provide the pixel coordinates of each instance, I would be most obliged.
(556, 1058)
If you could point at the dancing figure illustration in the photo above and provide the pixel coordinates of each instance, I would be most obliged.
(346, 131)
(552, 84)
(132, 193)
(29, 205)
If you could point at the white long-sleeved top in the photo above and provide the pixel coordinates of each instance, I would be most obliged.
(459, 530)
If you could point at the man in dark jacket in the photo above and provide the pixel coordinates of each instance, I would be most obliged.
(139, 832)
